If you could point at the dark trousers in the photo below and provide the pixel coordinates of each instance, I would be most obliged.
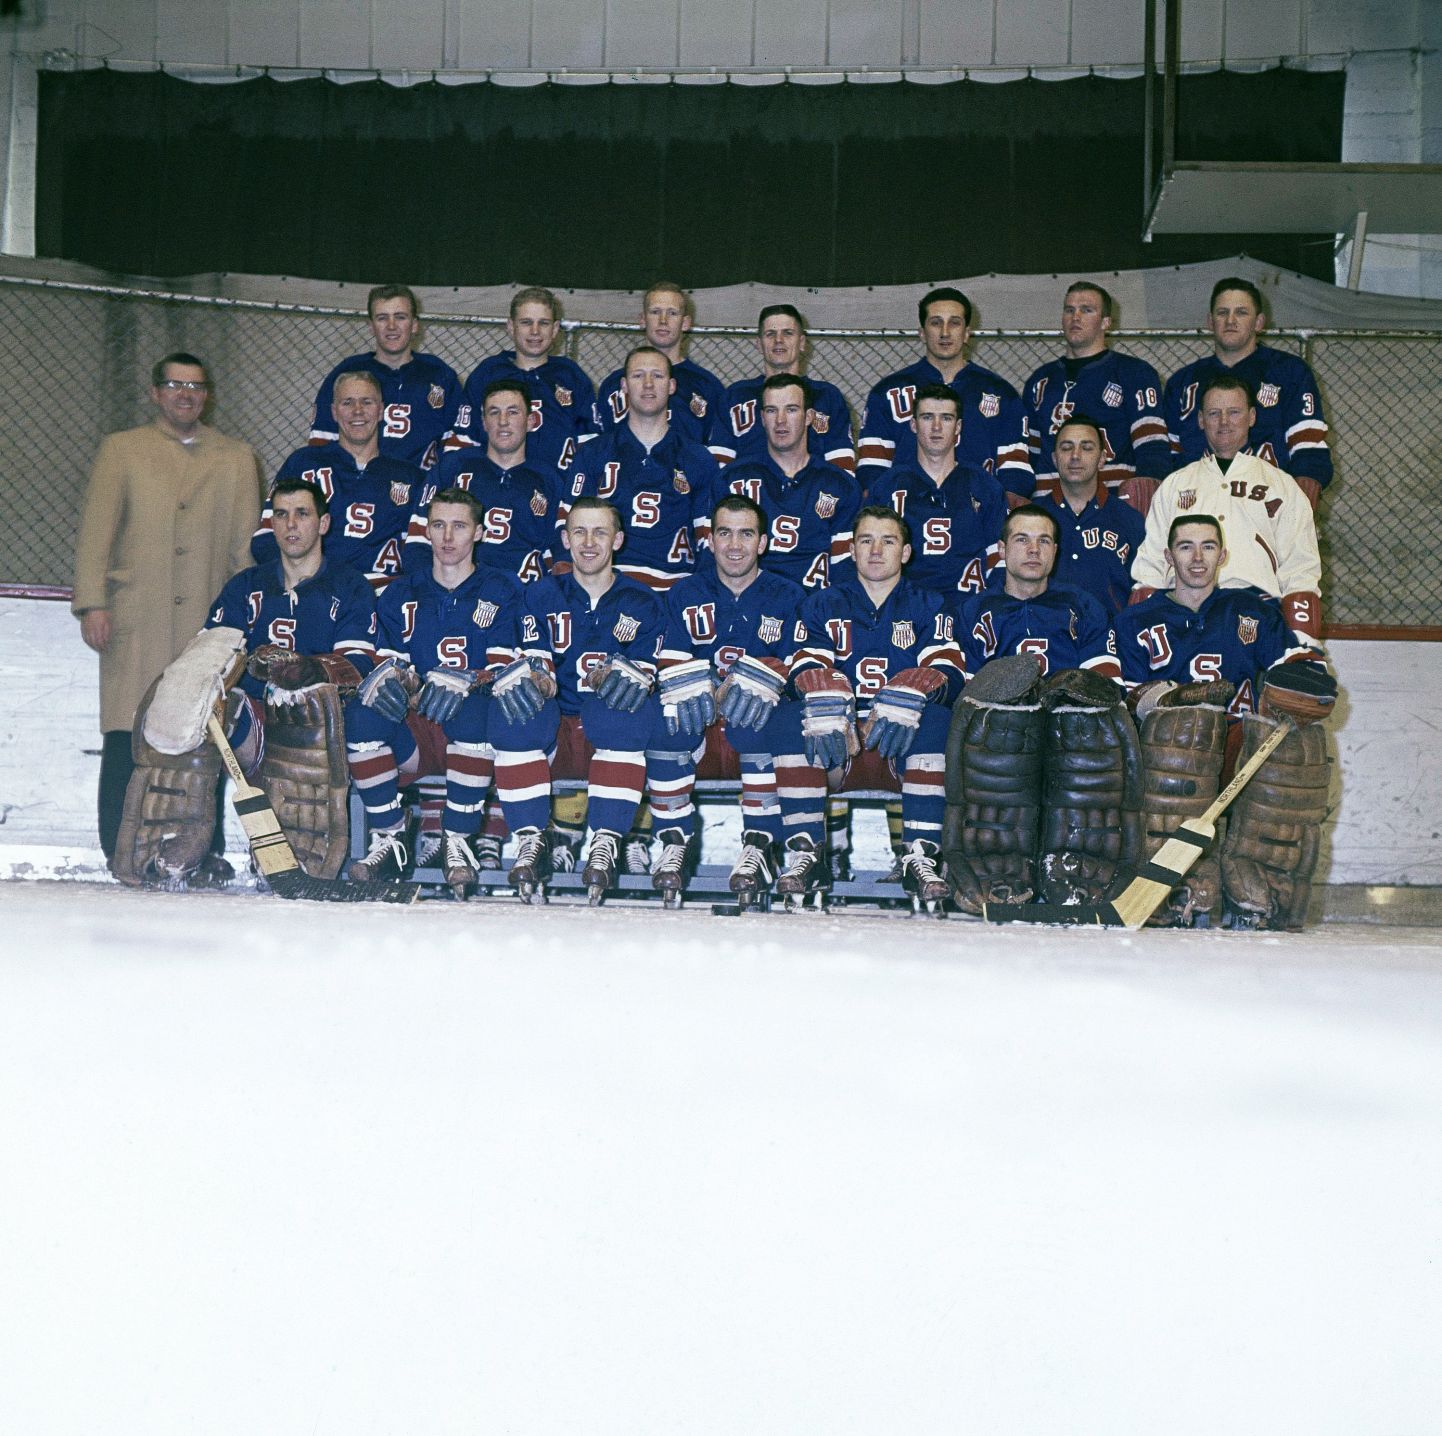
(116, 766)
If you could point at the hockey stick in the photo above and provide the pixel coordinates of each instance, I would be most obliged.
(275, 859)
(1160, 873)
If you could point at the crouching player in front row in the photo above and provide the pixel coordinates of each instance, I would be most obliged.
(1199, 661)
(445, 633)
(308, 627)
(874, 678)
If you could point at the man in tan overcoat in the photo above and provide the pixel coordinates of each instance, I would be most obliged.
(167, 519)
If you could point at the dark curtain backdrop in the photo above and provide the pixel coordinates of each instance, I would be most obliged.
(607, 186)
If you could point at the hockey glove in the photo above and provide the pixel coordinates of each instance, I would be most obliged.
(387, 689)
(687, 701)
(752, 690)
(621, 684)
(1303, 690)
(521, 688)
(828, 717)
(896, 711)
(444, 691)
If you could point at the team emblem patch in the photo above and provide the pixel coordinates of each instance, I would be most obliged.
(990, 405)
(1267, 396)
(1187, 499)
(539, 504)
(698, 406)
(1247, 630)
(626, 629)
(437, 396)
(825, 505)
(563, 397)
(400, 494)
(680, 482)
(769, 630)
(820, 422)
(485, 614)
(1112, 396)
(903, 635)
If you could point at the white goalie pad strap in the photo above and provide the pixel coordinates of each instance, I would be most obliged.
(189, 688)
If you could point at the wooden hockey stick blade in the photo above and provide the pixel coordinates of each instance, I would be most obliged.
(275, 859)
(1173, 860)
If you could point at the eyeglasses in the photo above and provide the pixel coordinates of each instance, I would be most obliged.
(190, 386)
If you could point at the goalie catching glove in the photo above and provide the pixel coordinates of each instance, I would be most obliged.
(687, 699)
(828, 717)
(1303, 690)
(751, 691)
(621, 684)
(522, 688)
(896, 711)
(290, 677)
(387, 688)
(443, 692)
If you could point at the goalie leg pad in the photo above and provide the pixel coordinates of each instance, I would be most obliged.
(1272, 840)
(1091, 801)
(169, 814)
(993, 790)
(1182, 751)
(304, 774)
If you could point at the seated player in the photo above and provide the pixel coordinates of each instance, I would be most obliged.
(1120, 390)
(1291, 430)
(1271, 538)
(1099, 534)
(308, 626)
(369, 493)
(562, 397)
(666, 317)
(737, 434)
(812, 504)
(732, 631)
(590, 642)
(658, 480)
(877, 671)
(1063, 627)
(1192, 656)
(993, 426)
(420, 394)
(444, 634)
(522, 500)
(955, 508)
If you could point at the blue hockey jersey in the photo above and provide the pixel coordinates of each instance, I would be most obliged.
(420, 404)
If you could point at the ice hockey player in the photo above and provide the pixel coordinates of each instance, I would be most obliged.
(370, 494)
(1290, 430)
(444, 634)
(1193, 656)
(667, 314)
(1119, 390)
(586, 676)
(872, 681)
(993, 425)
(736, 626)
(736, 432)
(420, 394)
(301, 630)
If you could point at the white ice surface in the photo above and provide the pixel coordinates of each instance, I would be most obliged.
(273, 1168)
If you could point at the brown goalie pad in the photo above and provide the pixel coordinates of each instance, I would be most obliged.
(1274, 832)
(1182, 751)
(304, 775)
(169, 814)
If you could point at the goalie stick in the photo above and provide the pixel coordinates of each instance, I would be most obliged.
(1159, 874)
(275, 859)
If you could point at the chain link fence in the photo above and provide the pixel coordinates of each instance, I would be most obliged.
(76, 363)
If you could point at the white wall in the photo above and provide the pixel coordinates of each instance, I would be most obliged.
(1383, 828)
